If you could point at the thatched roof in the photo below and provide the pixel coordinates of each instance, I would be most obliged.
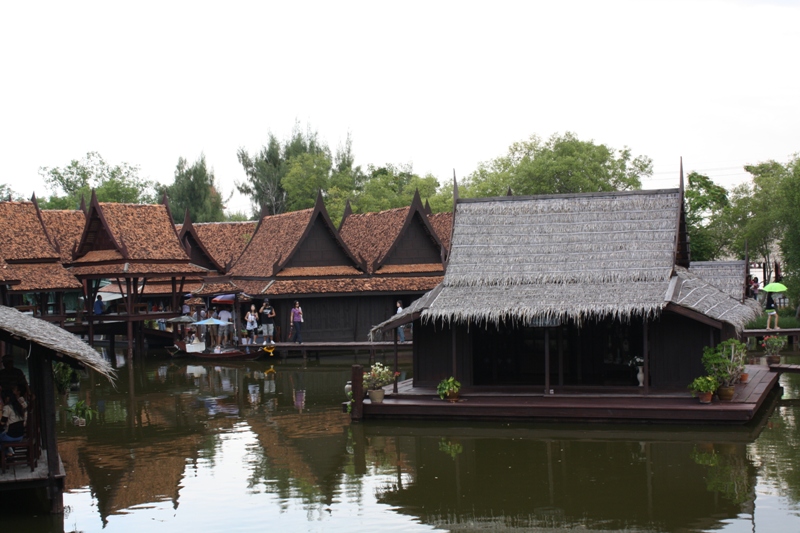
(53, 337)
(577, 257)
(728, 276)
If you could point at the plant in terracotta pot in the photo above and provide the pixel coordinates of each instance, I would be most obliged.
(773, 345)
(725, 362)
(448, 388)
(375, 379)
(704, 388)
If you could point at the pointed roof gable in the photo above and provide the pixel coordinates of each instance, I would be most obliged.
(137, 232)
(401, 236)
(298, 243)
(23, 237)
(29, 255)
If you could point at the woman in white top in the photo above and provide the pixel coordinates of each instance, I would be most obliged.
(252, 323)
(13, 420)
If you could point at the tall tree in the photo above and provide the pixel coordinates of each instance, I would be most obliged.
(194, 188)
(705, 202)
(562, 164)
(112, 183)
(789, 218)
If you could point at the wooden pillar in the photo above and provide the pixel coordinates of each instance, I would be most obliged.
(646, 356)
(547, 360)
(394, 388)
(560, 356)
(47, 407)
(454, 352)
(357, 382)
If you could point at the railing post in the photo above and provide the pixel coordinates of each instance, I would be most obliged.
(357, 382)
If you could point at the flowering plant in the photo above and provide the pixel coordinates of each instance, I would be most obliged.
(773, 344)
(379, 376)
(636, 361)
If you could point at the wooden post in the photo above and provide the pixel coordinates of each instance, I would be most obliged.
(560, 356)
(47, 406)
(357, 382)
(547, 361)
(646, 356)
(455, 353)
(394, 388)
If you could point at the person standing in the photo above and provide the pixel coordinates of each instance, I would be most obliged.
(224, 331)
(297, 320)
(772, 311)
(267, 322)
(251, 323)
(99, 308)
(401, 334)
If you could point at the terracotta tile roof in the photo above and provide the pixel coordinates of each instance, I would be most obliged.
(7, 274)
(274, 240)
(225, 241)
(443, 226)
(319, 271)
(100, 256)
(351, 285)
(65, 228)
(146, 231)
(251, 286)
(370, 235)
(408, 269)
(43, 277)
(153, 288)
(22, 235)
(141, 269)
(211, 289)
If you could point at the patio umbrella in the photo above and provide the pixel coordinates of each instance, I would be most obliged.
(774, 287)
(224, 299)
(212, 322)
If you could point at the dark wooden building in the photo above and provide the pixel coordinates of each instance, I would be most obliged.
(570, 292)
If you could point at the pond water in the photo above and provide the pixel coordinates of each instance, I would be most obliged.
(186, 446)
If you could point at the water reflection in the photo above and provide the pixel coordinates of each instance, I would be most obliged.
(237, 447)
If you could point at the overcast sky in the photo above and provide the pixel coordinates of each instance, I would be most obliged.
(441, 85)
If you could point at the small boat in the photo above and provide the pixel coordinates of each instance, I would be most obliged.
(183, 349)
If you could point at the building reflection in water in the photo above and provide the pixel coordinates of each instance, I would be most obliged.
(443, 474)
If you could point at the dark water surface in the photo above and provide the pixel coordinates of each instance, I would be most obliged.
(185, 446)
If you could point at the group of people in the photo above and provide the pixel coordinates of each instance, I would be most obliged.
(264, 319)
(14, 394)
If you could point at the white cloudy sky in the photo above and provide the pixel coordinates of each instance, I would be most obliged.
(442, 85)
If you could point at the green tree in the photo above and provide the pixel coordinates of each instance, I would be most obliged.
(704, 203)
(112, 183)
(194, 188)
(789, 217)
(562, 164)
(7, 192)
(264, 171)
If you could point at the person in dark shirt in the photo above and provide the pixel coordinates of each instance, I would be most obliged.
(771, 310)
(11, 376)
(99, 308)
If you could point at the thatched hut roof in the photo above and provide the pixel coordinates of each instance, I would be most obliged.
(575, 257)
(728, 276)
(53, 337)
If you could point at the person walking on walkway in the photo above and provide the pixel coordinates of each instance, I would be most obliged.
(771, 310)
(297, 321)
(401, 334)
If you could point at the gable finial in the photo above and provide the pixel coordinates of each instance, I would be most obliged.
(82, 205)
(681, 184)
(508, 192)
(428, 209)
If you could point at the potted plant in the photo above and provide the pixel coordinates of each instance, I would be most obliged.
(81, 413)
(773, 345)
(638, 363)
(725, 362)
(375, 379)
(448, 388)
(704, 388)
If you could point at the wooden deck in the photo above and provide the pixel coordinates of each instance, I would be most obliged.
(599, 404)
(19, 476)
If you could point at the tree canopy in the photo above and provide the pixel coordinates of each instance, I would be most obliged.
(112, 183)
(194, 189)
(705, 203)
(562, 164)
